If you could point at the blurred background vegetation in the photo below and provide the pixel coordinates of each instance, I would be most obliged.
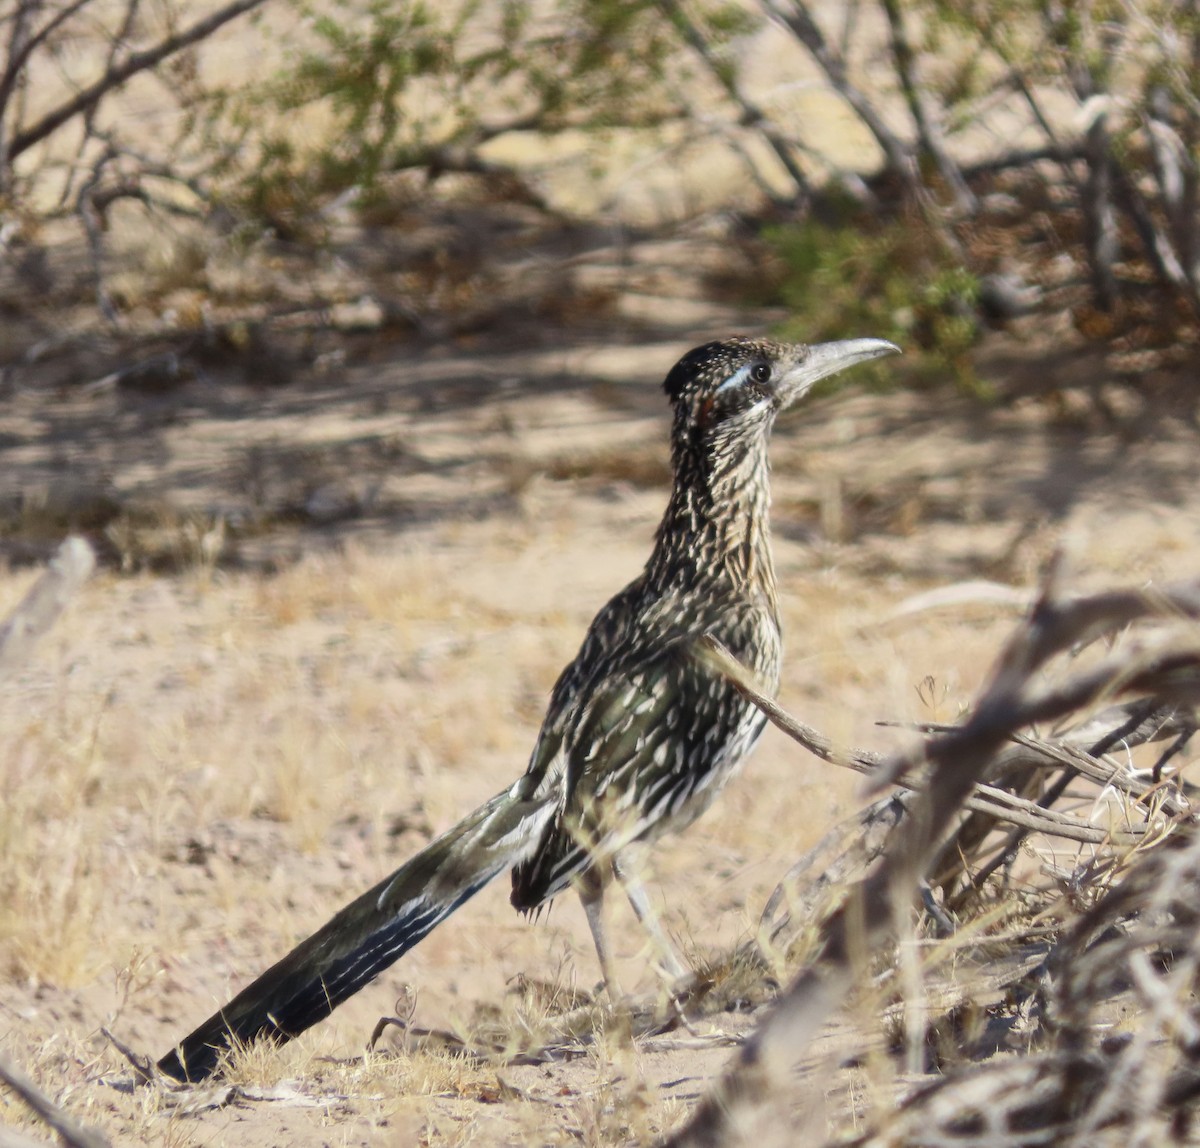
(919, 169)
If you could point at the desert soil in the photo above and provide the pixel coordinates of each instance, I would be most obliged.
(343, 603)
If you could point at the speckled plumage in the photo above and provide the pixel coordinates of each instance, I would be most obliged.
(639, 735)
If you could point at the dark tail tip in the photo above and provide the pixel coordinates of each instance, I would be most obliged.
(190, 1067)
(200, 1053)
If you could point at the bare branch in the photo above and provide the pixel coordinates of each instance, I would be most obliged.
(988, 800)
(115, 47)
(1100, 220)
(17, 41)
(117, 74)
(927, 131)
(795, 16)
(1158, 247)
(1052, 627)
(90, 216)
(752, 115)
(22, 46)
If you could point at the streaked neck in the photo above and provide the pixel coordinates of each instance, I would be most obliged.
(717, 522)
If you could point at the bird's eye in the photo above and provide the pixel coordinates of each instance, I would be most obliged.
(761, 372)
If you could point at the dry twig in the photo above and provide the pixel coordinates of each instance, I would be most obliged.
(74, 1134)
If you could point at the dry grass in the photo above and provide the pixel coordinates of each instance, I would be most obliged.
(236, 753)
(199, 768)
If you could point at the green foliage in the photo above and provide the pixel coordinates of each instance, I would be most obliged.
(363, 73)
(393, 86)
(861, 278)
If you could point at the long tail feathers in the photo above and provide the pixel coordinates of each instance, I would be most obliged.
(368, 935)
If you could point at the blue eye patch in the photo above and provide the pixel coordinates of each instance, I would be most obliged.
(736, 379)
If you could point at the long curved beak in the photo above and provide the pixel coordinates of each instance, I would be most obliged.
(820, 360)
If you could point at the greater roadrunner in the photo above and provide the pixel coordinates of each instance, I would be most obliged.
(640, 735)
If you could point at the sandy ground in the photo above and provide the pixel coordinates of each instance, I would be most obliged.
(337, 591)
(202, 765)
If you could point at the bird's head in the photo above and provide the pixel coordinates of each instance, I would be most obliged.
(732, 389)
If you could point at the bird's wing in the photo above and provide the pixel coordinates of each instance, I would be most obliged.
(627, 760)
(611, 643)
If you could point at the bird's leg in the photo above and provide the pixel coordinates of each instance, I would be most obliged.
(670, 961)
(591, 884)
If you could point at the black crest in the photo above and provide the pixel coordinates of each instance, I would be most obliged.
(709, 365)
